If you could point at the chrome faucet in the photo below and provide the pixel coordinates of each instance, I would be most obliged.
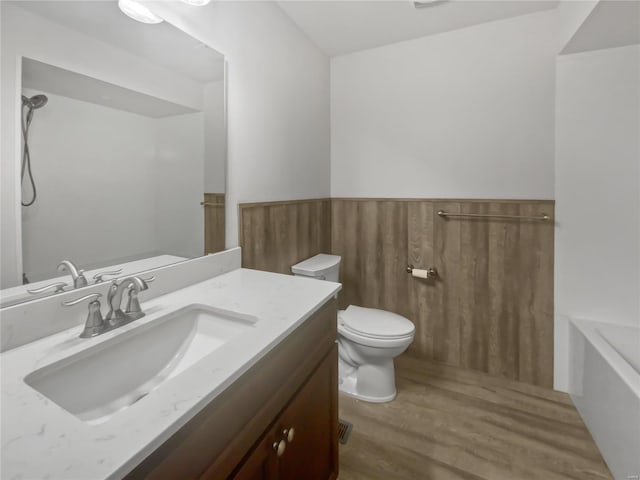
(78, 277)
(116, 316)
(96, 324)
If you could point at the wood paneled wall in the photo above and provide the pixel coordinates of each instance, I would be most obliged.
(276, 235)
(214, 236)
(491, 307)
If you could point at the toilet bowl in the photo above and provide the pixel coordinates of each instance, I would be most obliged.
(368, 339)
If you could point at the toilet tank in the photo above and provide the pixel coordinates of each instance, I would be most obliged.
(322, 267)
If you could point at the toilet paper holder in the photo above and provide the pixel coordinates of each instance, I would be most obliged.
(429, 272)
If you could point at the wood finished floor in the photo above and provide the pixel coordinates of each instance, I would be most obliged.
(450, 423)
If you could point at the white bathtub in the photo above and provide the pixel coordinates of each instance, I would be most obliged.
(604, 384)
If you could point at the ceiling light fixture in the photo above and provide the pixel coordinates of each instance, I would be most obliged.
(196, 3)
(427, 3)
(137, 11)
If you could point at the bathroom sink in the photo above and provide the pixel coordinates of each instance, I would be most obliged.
(113, 375)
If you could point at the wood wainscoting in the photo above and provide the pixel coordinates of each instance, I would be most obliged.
(276, 235)
(214, 224)
(491, 306)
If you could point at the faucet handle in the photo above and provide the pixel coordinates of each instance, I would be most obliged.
(81, 281)
(94, 325)
(130, 288)
(59, 287)
(92, 296)
(133, 303)
(98, 277)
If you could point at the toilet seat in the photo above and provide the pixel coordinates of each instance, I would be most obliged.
(374, 324)
(384, 343)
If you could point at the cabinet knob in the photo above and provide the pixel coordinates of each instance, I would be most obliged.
(280, 447)
(289, 434)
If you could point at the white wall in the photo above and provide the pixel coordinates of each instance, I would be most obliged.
(277, 101)
(464, 114)
(597, 192)
(68, 49)
(179, 184)
(570, 15)
(472, 113)
(215, 146)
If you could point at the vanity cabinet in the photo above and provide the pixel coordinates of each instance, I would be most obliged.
(278, 421)
(299, 445)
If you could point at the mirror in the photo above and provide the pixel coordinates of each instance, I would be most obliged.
(119, 145)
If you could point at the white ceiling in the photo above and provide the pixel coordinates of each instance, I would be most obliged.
(47, 78)
(597, 33)
(162, 44)
(340, 27)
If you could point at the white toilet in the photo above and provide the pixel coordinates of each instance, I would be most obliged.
(368, 339)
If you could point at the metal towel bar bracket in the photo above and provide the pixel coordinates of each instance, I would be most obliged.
(542, 217)
(211, 204)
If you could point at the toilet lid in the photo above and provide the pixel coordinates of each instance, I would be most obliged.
(375, 323)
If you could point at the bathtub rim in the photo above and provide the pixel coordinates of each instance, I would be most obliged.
(589, 329)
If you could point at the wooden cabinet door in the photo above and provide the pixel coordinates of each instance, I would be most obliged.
(261, 462)
(312, 454)
(311, 451)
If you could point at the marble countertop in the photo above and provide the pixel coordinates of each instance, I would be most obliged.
(41, 440)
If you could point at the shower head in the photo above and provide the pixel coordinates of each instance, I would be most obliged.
(37, 101)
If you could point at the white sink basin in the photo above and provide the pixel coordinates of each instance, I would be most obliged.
(102, 380)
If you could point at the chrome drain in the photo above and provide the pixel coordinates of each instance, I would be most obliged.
(344, 430)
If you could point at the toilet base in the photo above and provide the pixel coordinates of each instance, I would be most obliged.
(370, 383)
